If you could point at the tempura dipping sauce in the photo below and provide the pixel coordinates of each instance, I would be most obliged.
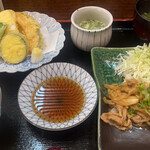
(58, 99)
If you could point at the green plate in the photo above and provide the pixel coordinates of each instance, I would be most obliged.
(103, 64)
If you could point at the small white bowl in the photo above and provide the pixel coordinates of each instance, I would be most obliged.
(87, 39)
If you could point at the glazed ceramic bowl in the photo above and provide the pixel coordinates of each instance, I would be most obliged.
(142, 25)
(86, 39)
(52, 70)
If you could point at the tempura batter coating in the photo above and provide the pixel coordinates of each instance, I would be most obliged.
(9, 17)
(28, 26)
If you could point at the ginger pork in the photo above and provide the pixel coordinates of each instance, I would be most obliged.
(129, 103)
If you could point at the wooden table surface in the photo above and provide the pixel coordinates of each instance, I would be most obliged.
(62, 9)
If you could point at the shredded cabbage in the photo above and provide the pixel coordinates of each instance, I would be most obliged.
(135, 64)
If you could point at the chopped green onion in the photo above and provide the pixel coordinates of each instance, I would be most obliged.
(146, 15)
(145, 102)
(144, 92)
(148, 90)
(141, 87)
(140, 105)
(131, 111)
(149, 101)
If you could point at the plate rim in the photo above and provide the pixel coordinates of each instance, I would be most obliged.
(50, 59)
(64, 128)
(99, 87)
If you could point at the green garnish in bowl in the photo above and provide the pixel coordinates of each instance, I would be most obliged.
(91, 24)
(146, 15)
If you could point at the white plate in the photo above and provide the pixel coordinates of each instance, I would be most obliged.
(52, 26)
(53, 70)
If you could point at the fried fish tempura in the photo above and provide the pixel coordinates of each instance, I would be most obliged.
(30, 28)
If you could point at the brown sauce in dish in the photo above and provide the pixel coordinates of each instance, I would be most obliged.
(58, 99)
